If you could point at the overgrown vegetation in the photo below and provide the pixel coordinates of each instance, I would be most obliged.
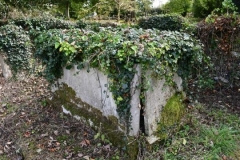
(220, 36)
(163, 22)
(204, 134)
(116, 52)
(16, 46)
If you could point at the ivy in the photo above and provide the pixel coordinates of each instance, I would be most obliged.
(116, 51)
(17, 47)
(172, 22)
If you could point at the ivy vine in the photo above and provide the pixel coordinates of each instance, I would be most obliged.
(116, 51)
(16, 46)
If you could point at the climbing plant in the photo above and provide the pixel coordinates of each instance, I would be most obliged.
(116, 51)
(16, 46)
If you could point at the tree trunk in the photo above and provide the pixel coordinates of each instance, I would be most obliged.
(119, 12)
(67, 14)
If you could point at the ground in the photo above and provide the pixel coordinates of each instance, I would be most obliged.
(31, 129)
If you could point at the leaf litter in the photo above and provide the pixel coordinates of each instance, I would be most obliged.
(31, 129)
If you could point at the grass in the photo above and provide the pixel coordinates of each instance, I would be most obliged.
(205, 133)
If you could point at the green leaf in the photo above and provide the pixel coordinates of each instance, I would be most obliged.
(96, 136)
(184, 141)
(103, 137)
(135, 48)
(57, 44)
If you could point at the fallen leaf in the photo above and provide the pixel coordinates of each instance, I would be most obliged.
(69, 155)
(85, 134)
(44, 135)
(80, 155)
(107, 148)
(67, 131)
(9, 143)
(39, 150)
(184, 141)
(6, 148)
(86, 157)
(55, 132)
(84, 143)
(27, 134)
(224, 157)
(52, 149)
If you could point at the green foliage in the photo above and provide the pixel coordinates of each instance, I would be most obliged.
(218, 140)
(177, 6)
(43, 23)
(202, 8)
(212, 132)
(81, 24)
(116, 52)
(4, 8)
(144, 7)
(162, 22)
(229, 7)
(16, 45)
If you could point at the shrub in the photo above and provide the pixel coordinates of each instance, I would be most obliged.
(43, 23)
(162, 22)
(16, 44)
(220, 36)
(81, 24)
(177, 6)
(202, 8)
(4, 9)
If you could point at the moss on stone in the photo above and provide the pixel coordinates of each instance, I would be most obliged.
(171, 115)
(66, 97)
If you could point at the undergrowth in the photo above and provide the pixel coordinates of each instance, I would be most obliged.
(205, 133)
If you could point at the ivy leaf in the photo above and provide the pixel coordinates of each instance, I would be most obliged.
(72, 49)
(119, 99)
(57, 44)
(124, 86)
(134, 48)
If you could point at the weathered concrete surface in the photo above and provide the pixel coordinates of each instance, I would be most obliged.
(135, 102)
(155, 99)
(92, 88)
(5, 68)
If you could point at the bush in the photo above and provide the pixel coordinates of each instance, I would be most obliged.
(177, 6)
(43, 23)
(4, 9)
(81, 24)
(220, 36)
(16, 44)
(162, 22)
(202, 9)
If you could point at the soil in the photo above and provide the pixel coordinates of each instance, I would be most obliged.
(222, 95)
(30, 129)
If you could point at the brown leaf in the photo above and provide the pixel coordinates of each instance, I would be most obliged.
(224, 157)
(84, 143)
(27, 134)
(52, 149)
